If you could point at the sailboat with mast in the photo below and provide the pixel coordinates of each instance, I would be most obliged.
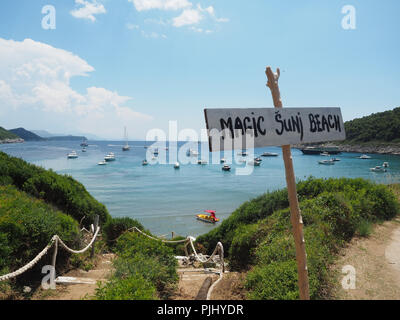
(126, 147)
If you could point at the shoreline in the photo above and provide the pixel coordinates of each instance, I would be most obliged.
(348, 148)
(7, 141)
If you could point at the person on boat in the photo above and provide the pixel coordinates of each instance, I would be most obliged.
(213, 216)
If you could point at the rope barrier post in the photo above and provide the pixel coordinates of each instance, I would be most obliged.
(53, 260)
(295, 213)
(96, 225)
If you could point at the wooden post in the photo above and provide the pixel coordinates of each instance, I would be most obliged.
(53, 261)
(295, 214)
(96, 224)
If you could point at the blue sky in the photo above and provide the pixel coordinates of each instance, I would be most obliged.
(141, 63)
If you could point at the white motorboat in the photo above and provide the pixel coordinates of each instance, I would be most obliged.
(269, 154)
(109, 157)
(258, 159)
(145, 163)
(335, 159)
(378, 169)
(364, 156)
(385, 165)
(202, 162)
(226, 167)
(84, 150)
(223, 160)
(327, 162)
(177, 165)
(72, 155)
(102, 163)
(325, 154)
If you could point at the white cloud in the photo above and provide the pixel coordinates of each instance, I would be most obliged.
(194, 16)
(144, 5)
(35, 83)
(88, 9)
(188, 17)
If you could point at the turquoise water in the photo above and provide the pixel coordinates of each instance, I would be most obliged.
(164, 199)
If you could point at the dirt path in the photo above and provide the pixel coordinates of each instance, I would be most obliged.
(190, 282)
(376, 260)
(79, 291)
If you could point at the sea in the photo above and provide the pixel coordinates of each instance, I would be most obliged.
(165, 199)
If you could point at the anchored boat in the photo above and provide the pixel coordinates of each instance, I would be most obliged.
(126, 147)
(72, 155)
(378, 169)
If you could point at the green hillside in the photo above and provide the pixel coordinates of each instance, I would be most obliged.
(26, 226)
(26, 135)
(62, 191)
(257, 237)
(377, 127)
(5, 134)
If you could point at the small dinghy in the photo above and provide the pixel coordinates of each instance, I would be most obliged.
(209, 217)
(102, 163)
(144, 163)
(226, 168)
(177, 165)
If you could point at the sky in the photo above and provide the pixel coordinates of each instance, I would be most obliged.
(101, 65)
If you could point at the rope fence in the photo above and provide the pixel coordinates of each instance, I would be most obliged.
(199, 257)
(56, 241)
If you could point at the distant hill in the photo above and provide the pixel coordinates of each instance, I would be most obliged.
(66, 138)
(377, 127)
(26, 135)
(43, 133)
(5, 134)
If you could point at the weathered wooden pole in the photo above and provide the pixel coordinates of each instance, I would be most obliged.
(295, 214)
(53, 262)
(96, 225)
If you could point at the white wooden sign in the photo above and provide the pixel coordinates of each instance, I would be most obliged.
(273, 126)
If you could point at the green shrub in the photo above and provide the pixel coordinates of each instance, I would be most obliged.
(364, 228)
(243, 243)
(143, 261)
(27, 226)
(115, 227)
(275, 281)
(62, 191)
(131, 288)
